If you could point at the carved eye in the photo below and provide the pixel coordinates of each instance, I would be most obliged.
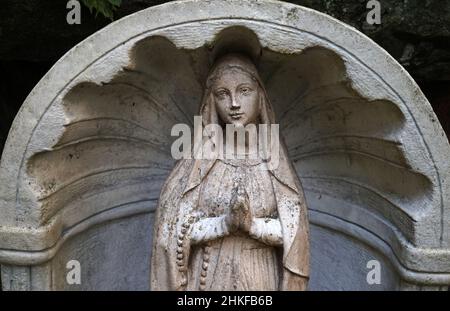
(245, 90)
(221, 94)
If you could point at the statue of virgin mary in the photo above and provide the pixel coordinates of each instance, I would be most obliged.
(232, 223)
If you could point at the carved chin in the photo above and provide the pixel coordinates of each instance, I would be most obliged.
(239, 121)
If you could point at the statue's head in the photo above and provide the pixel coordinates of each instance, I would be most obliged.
(235, 94)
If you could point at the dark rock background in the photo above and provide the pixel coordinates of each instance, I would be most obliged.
(34, 35)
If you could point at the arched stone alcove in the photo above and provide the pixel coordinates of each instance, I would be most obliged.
(88, 152)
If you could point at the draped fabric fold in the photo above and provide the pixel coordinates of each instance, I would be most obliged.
(180, 196)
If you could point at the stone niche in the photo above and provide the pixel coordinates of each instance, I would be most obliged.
(89, 150)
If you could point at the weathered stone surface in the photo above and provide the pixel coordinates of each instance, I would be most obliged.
(90, 145)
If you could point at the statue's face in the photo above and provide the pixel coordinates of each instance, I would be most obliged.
(236, 96)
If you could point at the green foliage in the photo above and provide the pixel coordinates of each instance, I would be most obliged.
(104, 7)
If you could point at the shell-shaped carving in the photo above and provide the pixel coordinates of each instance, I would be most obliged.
(115, 149)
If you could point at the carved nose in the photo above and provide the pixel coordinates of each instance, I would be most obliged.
(235, 104)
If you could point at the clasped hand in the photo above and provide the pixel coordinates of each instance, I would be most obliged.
(239, 217)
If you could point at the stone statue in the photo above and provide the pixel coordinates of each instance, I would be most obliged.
(232, 224)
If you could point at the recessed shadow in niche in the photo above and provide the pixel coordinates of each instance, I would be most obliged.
(343, 145)
(118, 133)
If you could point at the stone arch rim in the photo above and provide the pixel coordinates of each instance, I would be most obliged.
(403, 73)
